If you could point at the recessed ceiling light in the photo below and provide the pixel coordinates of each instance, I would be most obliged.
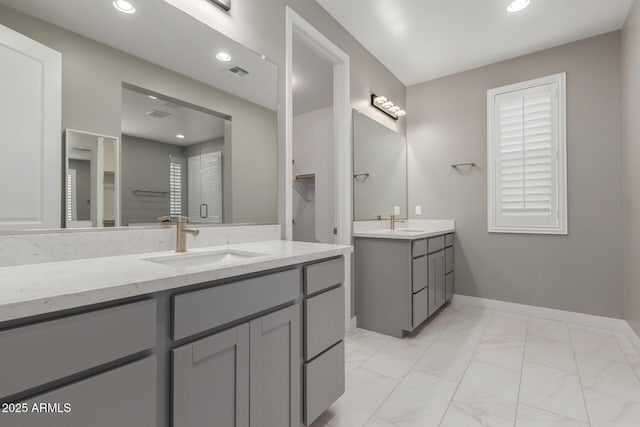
(517, 5)
(124, 6)
(180, 136)
(152, 97)
(223, 56)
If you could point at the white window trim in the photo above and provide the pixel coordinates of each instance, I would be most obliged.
(562, 227)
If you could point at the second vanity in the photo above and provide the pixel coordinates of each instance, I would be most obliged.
(246, 335)
(403, 276)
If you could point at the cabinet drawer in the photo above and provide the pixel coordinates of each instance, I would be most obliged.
(419, 247)
(323, 275)
(124, 396)
(419, 279)
(51, 350)
(448, 239)
(323, 382)
(323, 321)
(448, 260)
(420, 307)
(436, 244)
(199, 311)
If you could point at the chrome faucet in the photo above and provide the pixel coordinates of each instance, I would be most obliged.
(393, 221)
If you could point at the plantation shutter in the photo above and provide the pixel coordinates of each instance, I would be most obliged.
(525, 160)
(176, 182)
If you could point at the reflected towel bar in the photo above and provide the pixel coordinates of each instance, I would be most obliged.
(455, 165)
(161, 193)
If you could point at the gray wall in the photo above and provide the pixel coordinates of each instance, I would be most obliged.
(92, 76)
(631, 163)
(145, 166)
(580, 272)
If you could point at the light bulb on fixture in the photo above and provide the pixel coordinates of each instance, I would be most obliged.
(517, 5)
(380, 100)
(223, 56)
(389, 108)
(180, 136)
(124, 6)
(152, 97)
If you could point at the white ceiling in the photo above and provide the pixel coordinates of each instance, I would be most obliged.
(312, 79)
(196, 126)
(166, 36)
(420, 40)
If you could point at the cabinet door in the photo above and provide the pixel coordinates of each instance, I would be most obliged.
(441, 291)
(449, 285)
(432, 274)
(275, 369)
(30, 117)
(211, 381)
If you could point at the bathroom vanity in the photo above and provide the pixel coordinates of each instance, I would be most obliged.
(246, 335)
(403, 277)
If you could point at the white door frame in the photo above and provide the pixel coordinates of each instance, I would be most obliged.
(99, 153)
(297, 25)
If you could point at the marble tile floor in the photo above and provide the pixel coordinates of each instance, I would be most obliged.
(470, 367)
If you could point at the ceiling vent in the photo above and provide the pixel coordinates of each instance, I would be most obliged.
(240, 72)
(158, 114)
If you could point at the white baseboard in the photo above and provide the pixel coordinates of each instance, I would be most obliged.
(632, 336)
(352, 324)
(609, 323)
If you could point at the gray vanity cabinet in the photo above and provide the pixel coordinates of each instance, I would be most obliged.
(211, 380)
(246, 376)
(401, 282)
(275, 369)
(324, 330)
(437, 291)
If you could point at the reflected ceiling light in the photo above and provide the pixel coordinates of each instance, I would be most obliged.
(517, 5)
(223, 56)
(180, 136)
(152, 97)
(387, 107)
(124, 6)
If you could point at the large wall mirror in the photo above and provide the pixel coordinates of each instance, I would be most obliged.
(154, 121)
(380, 170)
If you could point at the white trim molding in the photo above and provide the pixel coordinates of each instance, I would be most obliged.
(610, 323)
(296, 26)
(512, 100)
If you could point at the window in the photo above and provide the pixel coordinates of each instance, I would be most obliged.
(175, 185)
(527, 186)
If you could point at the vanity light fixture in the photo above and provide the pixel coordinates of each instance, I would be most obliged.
(124, 6)
(387, 107)
(517, 5)
(180, 136)
(223, 56)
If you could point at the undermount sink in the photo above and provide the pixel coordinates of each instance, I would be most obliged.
(218, 257)
(409, 230)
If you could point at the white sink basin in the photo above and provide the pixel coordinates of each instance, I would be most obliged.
(409, 230)
(218, 257)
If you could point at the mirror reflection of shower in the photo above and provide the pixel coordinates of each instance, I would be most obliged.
(173, 159)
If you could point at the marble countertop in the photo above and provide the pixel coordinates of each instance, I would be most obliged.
(407, 233)
(33, 289)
